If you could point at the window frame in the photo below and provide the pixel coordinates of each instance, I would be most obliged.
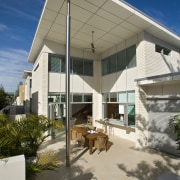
(162, 50)
(124, 59)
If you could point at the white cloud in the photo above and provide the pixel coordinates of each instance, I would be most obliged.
(12, 64)
(17, 12)
(3, 27)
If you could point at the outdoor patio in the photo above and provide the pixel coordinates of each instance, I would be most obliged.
(121, 162)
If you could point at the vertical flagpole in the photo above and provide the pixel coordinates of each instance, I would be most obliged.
(68, 84)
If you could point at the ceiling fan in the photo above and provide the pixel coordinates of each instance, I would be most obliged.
(92, 43)
(92, 46)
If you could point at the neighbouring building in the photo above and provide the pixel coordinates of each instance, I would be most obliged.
(125, 67)
(27, 75)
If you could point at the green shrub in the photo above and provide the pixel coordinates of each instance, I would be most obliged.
(175, 125)
(22, 136)
(44, 161)
(25, 136)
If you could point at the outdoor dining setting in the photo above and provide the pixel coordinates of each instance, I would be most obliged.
(89, 136)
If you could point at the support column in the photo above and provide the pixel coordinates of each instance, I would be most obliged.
(68, 23)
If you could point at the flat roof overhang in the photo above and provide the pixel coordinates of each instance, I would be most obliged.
(170, 78)
(113, 22)
(26, 73)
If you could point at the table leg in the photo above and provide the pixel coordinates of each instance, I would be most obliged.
(106, 145)
(90, 146)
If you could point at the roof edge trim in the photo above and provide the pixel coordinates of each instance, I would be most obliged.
(146, 17)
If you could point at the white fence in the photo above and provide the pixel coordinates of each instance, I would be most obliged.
(12, 168)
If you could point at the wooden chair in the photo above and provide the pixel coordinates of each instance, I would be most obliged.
(101, 142)
(78, 138)
(73, 134)
(89, 120)
(100, 130)
(91, 127)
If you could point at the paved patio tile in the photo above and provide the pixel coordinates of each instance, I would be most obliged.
(121, 162)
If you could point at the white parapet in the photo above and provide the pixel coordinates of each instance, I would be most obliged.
(12, 168)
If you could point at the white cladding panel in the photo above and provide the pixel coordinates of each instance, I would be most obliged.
(13, 167)
(88, 84)
(109, 83)
(36, 86)
(121, 81)
(166, 90)
(140, 58)
(172, 90)
(40, 85)
(157, 63)
(131, 75)
(76, 84)
(27, 88)
(44, 107)
(56, 82)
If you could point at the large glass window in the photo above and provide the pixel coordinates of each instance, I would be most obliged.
(131, 96)
(122, 97)
(131, 56)
(87, 97)
(56, 98)
(131, 115)
(78, 66)
(105, 66)
(82, 97)
(77, 98)
(81, 66)
(119, 61)
(105, 97)
(113, 97)
(112, 63)
(163, 50)
(56, 63)
(88, 67)
(122, 110)
(63, 98)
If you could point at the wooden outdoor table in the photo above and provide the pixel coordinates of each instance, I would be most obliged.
(92, 137)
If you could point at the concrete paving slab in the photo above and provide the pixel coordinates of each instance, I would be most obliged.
(121, 162)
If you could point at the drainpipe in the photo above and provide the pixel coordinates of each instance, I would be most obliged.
(68, 23)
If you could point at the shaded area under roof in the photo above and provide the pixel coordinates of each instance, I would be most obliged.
(113, 21)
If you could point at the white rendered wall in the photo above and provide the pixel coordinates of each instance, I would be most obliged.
(12, 168)
(44, 95)
(163, 102)
(141, 117)
(27, 88)
(40, 85)
(156, 63)
(123, 80)
(97, 96)
(44, 82)
(27, 94)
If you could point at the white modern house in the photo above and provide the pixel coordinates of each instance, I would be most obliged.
(27, 75)
(125, 67)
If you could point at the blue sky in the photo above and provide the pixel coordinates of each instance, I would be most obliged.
(19, 19)
(18, 22)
